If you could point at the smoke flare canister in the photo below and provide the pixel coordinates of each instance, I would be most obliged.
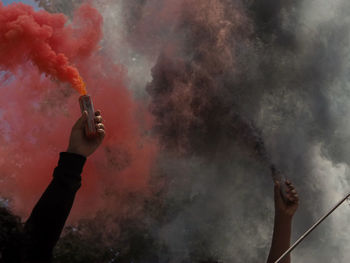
(87, 105)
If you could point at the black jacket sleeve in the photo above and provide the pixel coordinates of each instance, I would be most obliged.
(48, 217)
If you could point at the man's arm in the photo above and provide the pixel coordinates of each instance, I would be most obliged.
(285, 208)
(48, 217)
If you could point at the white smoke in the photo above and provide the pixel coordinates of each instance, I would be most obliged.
(225, 204)
(222, 207)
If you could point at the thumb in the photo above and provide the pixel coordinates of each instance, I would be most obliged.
(80, 124)
(277, 190)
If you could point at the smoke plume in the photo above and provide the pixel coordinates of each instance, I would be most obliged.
(237, 85)
(41, 38)
(37, 111)
(233, 86)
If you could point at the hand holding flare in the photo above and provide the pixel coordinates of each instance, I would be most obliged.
(79, 143)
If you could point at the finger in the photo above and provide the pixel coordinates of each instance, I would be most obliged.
(291, 187)
(291, 197)
(293, 191)
(100, 126)
(98, 119)
(98, 113)
(292, 200)
(289, 202)
(295, 198)
(101, 133)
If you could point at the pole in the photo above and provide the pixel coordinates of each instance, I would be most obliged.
(311, 229)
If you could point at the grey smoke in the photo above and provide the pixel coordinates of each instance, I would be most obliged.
(291, 81)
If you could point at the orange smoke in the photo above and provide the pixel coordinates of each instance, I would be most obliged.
(80, 86)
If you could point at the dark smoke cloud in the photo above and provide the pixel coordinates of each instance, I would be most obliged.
(238, 69)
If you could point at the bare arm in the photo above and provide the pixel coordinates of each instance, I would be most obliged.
(285, 209)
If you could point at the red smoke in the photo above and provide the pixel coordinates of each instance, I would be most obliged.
(36, 113)
(39, 36)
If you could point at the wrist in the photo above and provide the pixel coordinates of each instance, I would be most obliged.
(75, 151)
(282, 216)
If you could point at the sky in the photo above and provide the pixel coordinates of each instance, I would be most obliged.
(29, 2)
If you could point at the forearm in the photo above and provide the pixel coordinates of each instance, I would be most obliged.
(281, 238)
(48, 217)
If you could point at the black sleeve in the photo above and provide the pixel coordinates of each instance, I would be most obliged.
(48, 217)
